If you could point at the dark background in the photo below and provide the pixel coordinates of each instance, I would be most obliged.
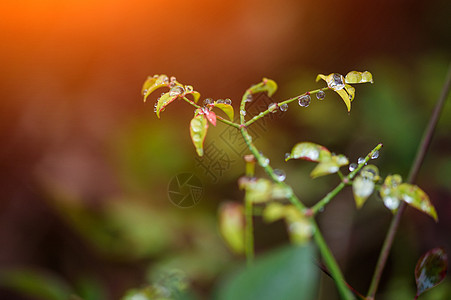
(85, 164)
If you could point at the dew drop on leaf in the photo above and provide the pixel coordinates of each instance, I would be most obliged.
(284, 107)
(352, 167)
(176, 90)
(280, 175)
(220, 101)
(145, 92)
(304, 100)
(375, 154)
(208, 101)
(336, 82)
(228, 101)
(391, 202)
(320, 95)
(360, 160)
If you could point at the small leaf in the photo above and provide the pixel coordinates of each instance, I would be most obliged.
(198, 131)
(358, 77)
(274, 211)
(227, 108)
(309, 151)
(163, 101)
(430, 270)
(231, 225)
(300, 231)
(196, 95)
(287, 273)
(329, 165)
(211, 116)
(416, 197)
(154, 83)
(267, 85)
(389, 193)
(362, 188)
(259, 190)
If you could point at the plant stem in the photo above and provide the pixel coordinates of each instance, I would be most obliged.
(249, 233)
(320, 204)
(329, 259)
(421, 153)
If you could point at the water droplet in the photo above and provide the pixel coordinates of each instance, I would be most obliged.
(155, 76)
(189, 88)
(337, 82)
(196, 138)
(375, 154)
(352, 167)
(272, 107)
(196, 128)
(360, 160)
(304, 100)
(165, 79)
(243, 112)
(283, 107)
(280, 175)
(145, 92)
(173, 79)
(248, 98)
(320, 95)
(220, 101)
(264, 162)
(227, 101)
(287, 156)
(208, 101)
(171, 84)
(391, 202)
(321, 209)
(154, 109)
(176, 90)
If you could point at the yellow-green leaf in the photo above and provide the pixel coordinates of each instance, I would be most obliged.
(198, 131)
(195, 95)
(231, 225)
(267, 85)
(358, 77)
(345, 96)
(329, 165)
(259, 190)
(226, 108)
(351, 91)
(308, 151)
(416, 197)
(162, 102)
(274, 211)
(154, 83)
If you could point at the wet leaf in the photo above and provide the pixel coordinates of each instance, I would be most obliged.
(267, 85)
(286, 273)
(226, 108)
(358, 77)
(195, 95)
(346, 99)
(198, 131)
(389, 193)
(211, 117)
(309, 151)
(416, 197)
(351, 91)
(329, 165)
(154, 83)
(362, 188)
(163, 101)
(431, 269)
(231, 225)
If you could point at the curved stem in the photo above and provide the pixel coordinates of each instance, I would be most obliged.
(320, 204)
(421, 153)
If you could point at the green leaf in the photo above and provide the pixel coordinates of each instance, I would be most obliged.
(274, 211)
(309, 151)
(362, 188)
(267, 85)
(154, 83)
(329, 165)
(358, 77)
(430, 270)
(163, 101)
(36, 284)
(287, 273)
(226, 108)
(416, 197)
(195, 95)
(198, 131)
(231, 225)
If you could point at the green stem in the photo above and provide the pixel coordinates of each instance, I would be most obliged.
(249, 233)
(329, 259)
(323, 202)
(421, 153)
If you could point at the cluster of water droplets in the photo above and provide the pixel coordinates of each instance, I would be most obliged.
(224, 101)
(176, 91)
(304, 100)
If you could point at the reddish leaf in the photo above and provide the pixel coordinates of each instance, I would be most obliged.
(211, 116)
(430, 270)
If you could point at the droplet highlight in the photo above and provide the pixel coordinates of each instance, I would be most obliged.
(280, 175)
(352, 167)
(375, 154)
(320, 95)
(228, 101)
(360, 160)
(283, 107)
(304, 100)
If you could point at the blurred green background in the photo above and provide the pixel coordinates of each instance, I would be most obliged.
(86, 164)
